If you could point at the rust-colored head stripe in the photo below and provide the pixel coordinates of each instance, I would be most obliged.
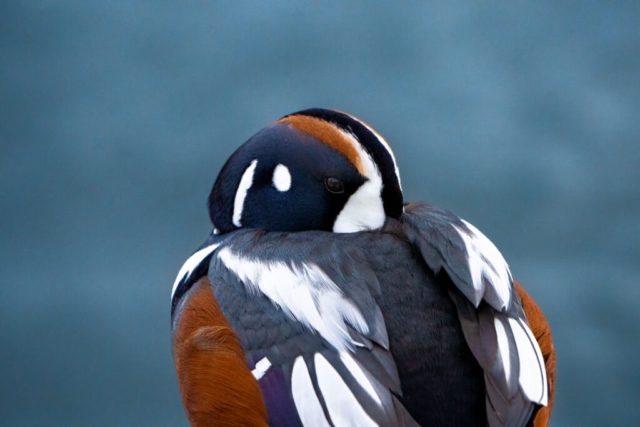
(330, 134)
(335, 129)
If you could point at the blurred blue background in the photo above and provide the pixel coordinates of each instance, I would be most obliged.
(115, 118)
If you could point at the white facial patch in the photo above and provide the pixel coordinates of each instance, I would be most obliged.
(241, 193)
(281, 178)
(364, 209)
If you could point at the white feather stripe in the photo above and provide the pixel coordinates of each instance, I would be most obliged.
(533, 374)
(191, 264)
(304, 396)
(503, 348)
(354, 367)
(485, 260)
(384, 143)
(261, 368)
(241, 193)
(343, 406)
(305, 293)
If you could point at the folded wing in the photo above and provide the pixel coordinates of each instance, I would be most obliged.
(491, 314)
(304, 309)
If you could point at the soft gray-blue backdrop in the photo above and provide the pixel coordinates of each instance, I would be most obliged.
(115, 117)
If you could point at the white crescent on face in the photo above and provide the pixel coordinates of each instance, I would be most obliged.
(245, 184)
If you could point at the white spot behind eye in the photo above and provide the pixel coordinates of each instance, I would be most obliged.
(281, 178)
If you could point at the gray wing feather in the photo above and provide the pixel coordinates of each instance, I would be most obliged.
(486, 301)
(432, 230)
(254, 274)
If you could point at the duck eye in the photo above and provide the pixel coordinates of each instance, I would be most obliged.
(334, 185)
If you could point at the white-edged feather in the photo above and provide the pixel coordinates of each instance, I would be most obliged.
(191, 264)
(486, 261)
(305, 293)
(343, 406)
(533, 374)
(304, 396)
(503, 347)
(356, 370)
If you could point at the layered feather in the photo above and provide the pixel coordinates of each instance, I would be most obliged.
(492, 319)
(324, 340)
(306, 308)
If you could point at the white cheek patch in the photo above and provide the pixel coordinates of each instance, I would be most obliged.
(281, 178)
(364, 209)
(241, 194)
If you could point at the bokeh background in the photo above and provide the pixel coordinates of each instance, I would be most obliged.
(115, 118)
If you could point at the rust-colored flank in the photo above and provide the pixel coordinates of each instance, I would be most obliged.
(216, 385)
(542, 332)
(330, 134)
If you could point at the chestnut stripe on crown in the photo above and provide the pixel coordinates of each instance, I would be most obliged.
(373, 144)
(330, 134)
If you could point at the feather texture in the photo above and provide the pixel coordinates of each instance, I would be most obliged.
(491, 315)
(336, 351)
(401, 326)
